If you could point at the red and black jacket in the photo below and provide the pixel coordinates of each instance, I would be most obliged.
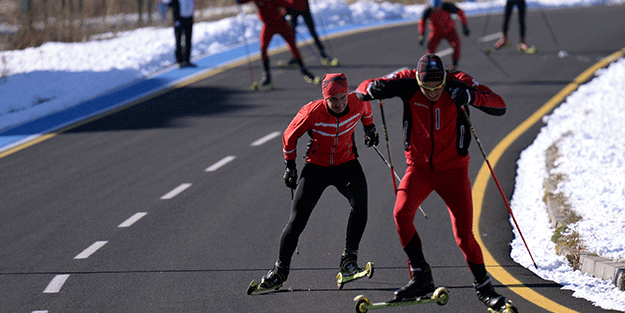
(331, 135)
(436, 134)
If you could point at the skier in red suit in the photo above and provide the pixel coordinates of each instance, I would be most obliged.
(274, 23)
(442, 26)
(436, 142)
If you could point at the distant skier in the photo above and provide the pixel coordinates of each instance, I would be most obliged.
(183, 29)
(442, 26)
(274, 23)
(331, 160)
(503, 41)
(436, 142)
(302, 8)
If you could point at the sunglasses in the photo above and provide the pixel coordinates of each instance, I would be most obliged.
(435, 88)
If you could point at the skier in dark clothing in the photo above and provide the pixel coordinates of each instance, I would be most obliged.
(302, 8)
(503, 41)
(331, 160)
(183, 29)
(436, 142)
(274, 23)
(442, 26)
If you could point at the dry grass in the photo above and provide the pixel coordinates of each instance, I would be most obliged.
(568, 241)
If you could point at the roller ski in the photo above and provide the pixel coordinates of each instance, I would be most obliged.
(310, 78)
(525, 48)
(273, 280)
(440, 296)
(290, 64)
(330, 61)
(509, 308)
(350, 270)
(501, 44)
(264, 84)
(344, 278)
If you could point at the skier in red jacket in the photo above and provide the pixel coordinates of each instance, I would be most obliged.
(331, 159)
(442, 26)
(436, 142)
(274, 23)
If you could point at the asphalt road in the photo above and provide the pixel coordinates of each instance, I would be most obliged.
(72, 241)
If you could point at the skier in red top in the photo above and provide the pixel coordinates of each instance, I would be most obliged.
(443, 27)
(331, 159)
(436, 141)
(274, 23)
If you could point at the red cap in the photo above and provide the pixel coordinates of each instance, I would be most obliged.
(333, 83)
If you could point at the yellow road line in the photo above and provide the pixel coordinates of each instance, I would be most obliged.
(479, 187)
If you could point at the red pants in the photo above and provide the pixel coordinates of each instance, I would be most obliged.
(452, 37)
(454, 187)
(284, 29)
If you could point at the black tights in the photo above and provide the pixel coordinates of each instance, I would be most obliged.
(520, 4)
(349, 180)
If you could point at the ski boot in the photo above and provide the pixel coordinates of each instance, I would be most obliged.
(502, 43)
(419, 286)
(273, 280)
(310, 78)
(350, 270)
(522, 47)
(495, 302)
(264, 84)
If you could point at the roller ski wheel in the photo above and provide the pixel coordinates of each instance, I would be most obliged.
(510, 308)
(257, 86)
(255, 287)
(526, 49)
(330, 62)
(440, 297)
(342, 279)
(312, 79)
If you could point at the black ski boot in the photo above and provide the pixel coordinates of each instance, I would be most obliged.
(308, 76)
(487, 294)
(349, 265)
(275, 277)
(265, 82)
(420, 285)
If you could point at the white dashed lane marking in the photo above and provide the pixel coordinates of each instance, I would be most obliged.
(89, 251)
(220, 163)
(133, 219)
(176, 191)
(266, 138)
(57, 282)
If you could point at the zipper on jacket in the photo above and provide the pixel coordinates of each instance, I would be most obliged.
(432, 121)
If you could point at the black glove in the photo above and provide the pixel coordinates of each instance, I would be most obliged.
(421, 40)
(461, 95)
(376, 89)
(290, 174)
(465, 29)
(363, 96)
(371, 136)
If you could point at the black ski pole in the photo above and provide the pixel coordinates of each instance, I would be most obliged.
(466, 115)
(389, 163)
(247, 49)
(488, 57)
(553, 36)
